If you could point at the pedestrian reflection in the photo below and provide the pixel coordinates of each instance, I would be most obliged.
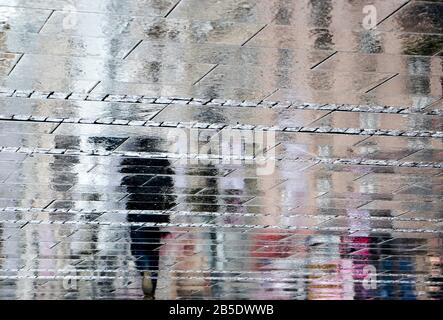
(146, 240)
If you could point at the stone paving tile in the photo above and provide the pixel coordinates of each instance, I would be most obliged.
(33, 43)
(385, 121)
(287, 13)
(41, 109)
(309, 81)
(228, 54)
(95, 70)
(361, 41)
(23, 19)
(230, 116)
(176, 30)
(402, 88)
(406, 19)
(139, 7)
(413, 91)
(49, 85)
(438, 105)
(8, 60)
(49, 141)
(14, 127)
(425, 155)
(115, 131)
(401, 64)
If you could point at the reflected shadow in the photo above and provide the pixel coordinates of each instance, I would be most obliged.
(146, 240)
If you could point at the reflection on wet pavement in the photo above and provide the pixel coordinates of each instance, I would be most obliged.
(189, 149)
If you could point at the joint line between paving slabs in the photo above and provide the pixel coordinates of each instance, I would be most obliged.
(132, 49)
(411, 154)
(261, 29)
(361, 141)
(94, 86)
(394, 12)
(46, 21)
(56, 127)
(158, 113)
(271, 94)
(207, 73)
(430, 105)
(93, 167)
(322, 117)
(13, 67)
(382, 83)
(173, 8)
(49, 204)
(324, 60)
(362, 176)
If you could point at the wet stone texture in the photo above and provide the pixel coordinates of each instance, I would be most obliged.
(256, 149)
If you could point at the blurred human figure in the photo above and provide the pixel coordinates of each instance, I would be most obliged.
(145, 241)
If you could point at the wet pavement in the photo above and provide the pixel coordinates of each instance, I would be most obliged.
(255, 149)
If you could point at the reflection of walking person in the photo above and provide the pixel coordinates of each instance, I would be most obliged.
(145, 241)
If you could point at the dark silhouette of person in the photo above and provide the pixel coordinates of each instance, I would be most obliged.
(148, 193)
